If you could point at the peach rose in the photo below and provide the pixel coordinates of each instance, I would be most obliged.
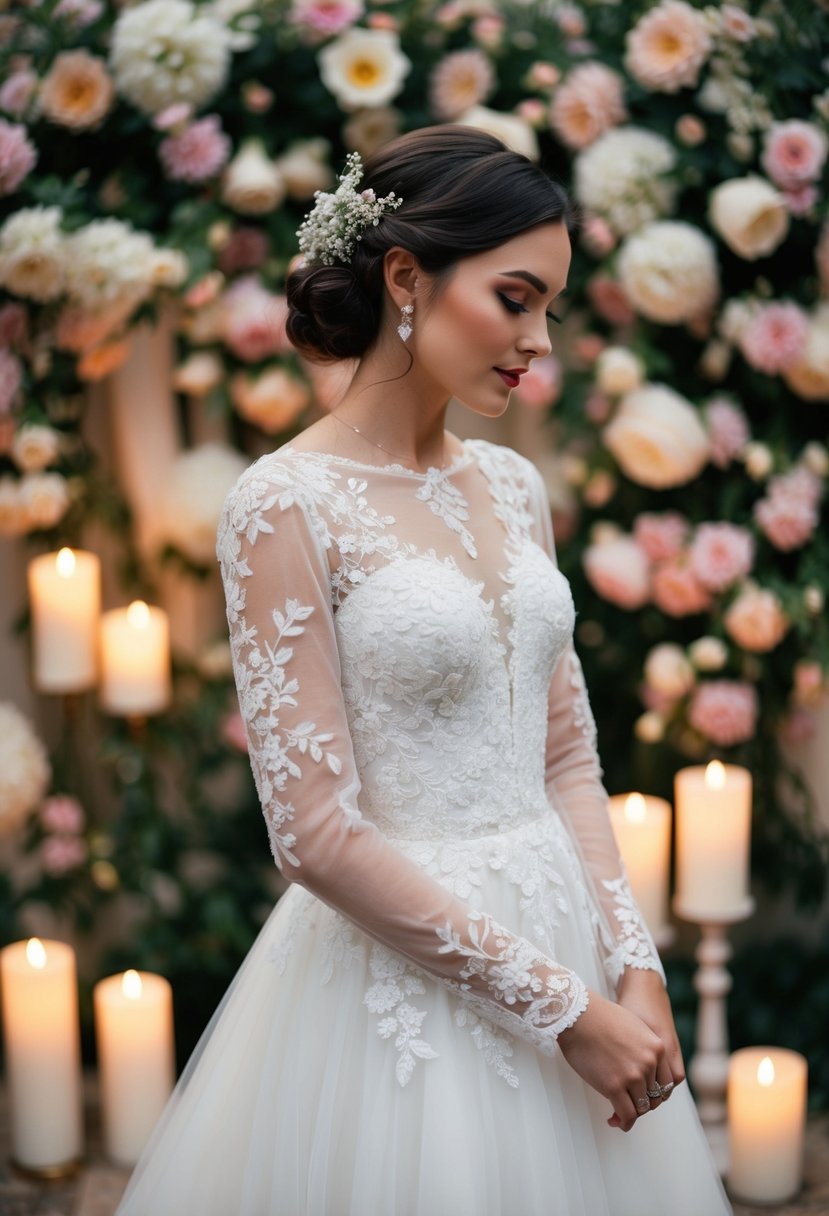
(756, 620)
(619, 571)
(272, 401)
(618, 371)
(808, 376)
(200, 372)
(667, 47)
(657, 437)
(677, 590)
(77, 91)
(587, 103)
(750, 216)
(724, 711)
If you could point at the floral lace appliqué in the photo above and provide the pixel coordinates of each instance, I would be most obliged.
(634, 945)
(394, 981)
(446, 501)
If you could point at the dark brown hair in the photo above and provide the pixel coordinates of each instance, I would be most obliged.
(463, 193)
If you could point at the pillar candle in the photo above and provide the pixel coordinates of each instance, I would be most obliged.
(135, 660)
(713, 826)
(65, 596)
(642, 827)
(43, 1060)
(134, 1035)
(766, 1121)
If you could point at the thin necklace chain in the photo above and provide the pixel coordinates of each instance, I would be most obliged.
(375, 444)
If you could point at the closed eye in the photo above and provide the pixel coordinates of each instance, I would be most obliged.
(516, 306)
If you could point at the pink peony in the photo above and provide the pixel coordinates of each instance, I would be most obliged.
(610, 300)
(619, 571)
(788, 515)
(725, 711)
(540, 387)
(233, 731)
(17, 156)
(61, 853)
(676, 589)
(62, 813)
(727, 430)
(245, 249)
(11, 378)
(661, 535)
(587, 103)
(462, 80)
(755, 620)
(775, 337)
(720, 554)
(794, 153)
(254, 321)
(198, 153)
(17, 92)
(326, 17)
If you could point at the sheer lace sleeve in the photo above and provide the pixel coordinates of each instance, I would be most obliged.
(272, 550)
(574, 786)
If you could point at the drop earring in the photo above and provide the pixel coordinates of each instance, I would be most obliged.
(405, 326)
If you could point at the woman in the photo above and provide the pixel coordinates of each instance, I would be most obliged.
(456, 1008)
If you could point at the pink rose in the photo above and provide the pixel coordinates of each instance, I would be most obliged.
(661, 535)
(619, 571)
(198, 153)
(788, 514)
(775, 337)
(245, 249)
(676, 589)
(254, 321)
(597, 236)
(61, 853)
(17, 156)
(720, 554)
(17, 92)
(174, 116)
(727, 430)
(756, 620)
(62, 813)
(725, 711)
(540, 387)
(801, 199)
(233, 731)
(798, 726)
(809, 683)
(610, 301)
(794, 153)
(326, 17)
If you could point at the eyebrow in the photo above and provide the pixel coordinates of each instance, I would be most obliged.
(539, 284)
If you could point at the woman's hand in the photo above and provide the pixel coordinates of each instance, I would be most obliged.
(643, 993)
(616, 1051)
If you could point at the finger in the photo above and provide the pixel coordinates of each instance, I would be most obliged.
(665, 1082)
(642, 1102)
(625, 1107)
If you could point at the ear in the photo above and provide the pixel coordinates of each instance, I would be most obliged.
(400, 275)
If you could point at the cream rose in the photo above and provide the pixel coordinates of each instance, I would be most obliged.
(252, 183)
(44, 498)
(618, 371)
(657, 437)
(618, 569)
(305, 169)
(668, 271)
(198, 374)
(708, 653)
(198, 484)
(364, 67)
(35, 447)
(809, 375)
(750, 216)
(512, 131)
(756, 620)
(668, 671)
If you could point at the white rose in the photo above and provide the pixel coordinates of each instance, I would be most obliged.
(364, 67)
(809, 376)
(668, 271)
(252, 183)
(657, 437)
(304, 168)
(35, 447)
(45, 499)
(668, 671)
(618, 370)
(198, 484)
(750, 216)
(708, 653)
(816, 459)
(198, 374)
(168, 268)
(32, 257)
(735, 319)
(512, 131)
(24, 768)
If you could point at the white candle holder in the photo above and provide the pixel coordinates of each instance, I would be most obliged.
(708, 1068)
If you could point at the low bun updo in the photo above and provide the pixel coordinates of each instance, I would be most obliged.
(463, 193)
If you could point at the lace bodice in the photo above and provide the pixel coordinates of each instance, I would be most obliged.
(403, 653)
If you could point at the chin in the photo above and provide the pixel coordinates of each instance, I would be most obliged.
(488, 405)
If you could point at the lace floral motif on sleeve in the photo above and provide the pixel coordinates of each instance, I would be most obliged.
(634, 945)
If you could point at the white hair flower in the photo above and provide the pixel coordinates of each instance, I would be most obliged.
(337, 221)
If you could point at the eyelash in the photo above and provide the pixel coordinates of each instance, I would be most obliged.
(513, 306)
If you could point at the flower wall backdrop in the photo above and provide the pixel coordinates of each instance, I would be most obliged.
(156, 159)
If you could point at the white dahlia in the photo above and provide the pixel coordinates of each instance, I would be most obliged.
(364, 68)
(24, 767)
(198, 484)
(167, 51)
(623, 177)
(109, 263)
(32, 254)
(668, 271)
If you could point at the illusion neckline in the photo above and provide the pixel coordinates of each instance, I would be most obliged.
(459, 462)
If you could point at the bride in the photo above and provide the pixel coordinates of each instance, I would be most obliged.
(456, 1009)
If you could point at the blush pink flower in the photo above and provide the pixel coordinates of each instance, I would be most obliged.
(78, 13)
(17, 156)
(62, 813)
(326, 17)
(789, 512)
(725, 711)
(809, 683)
(668, 46)
(798, 726)
(245, 249)
(728, 430)
(460, 81)
(172, 117)
(17, 92)
(11, 378)
(610, 300)
(794, 153)
(756, 620)
(801, 199)
(661, 535)
(233, 731)
(720, 554)
(619, 571)
(13, 324)
(597, 236)
(676, 590)
(588, 102)
(775, 337)
(540, 387)
(198, 153)
(254, 321)
(58, 854)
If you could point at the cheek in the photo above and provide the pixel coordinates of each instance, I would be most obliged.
(470, 324)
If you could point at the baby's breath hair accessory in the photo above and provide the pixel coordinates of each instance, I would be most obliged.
(337, 221)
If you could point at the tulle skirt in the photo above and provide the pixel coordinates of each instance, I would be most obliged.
(336, 1080)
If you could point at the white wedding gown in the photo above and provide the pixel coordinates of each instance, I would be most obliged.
(424, 751)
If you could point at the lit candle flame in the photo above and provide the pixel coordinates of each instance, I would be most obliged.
(765, 1071)
(635, 808)
(65, 563)
(715, 775)
(131, 985)
(35, 953)
(138, 615)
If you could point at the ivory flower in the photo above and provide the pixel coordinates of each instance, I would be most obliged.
(32, 257)
(44, 498)
(708, 653)
(749, 215)
(808, 376)
(618, 371)
(252, 184)
(624, 177)
(77, 91)
(369, 129)
(668, 671)
(669, 272)
(305, 169)
(657, 437)
(619, 571)
(668, 46)
(109, 264)
(364, 68)
(24, 768)
(198, 484)
(34, 447)
(511, 130)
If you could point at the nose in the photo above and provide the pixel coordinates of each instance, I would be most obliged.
(535, 340)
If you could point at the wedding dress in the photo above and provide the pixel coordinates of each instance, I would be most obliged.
(424, 751)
